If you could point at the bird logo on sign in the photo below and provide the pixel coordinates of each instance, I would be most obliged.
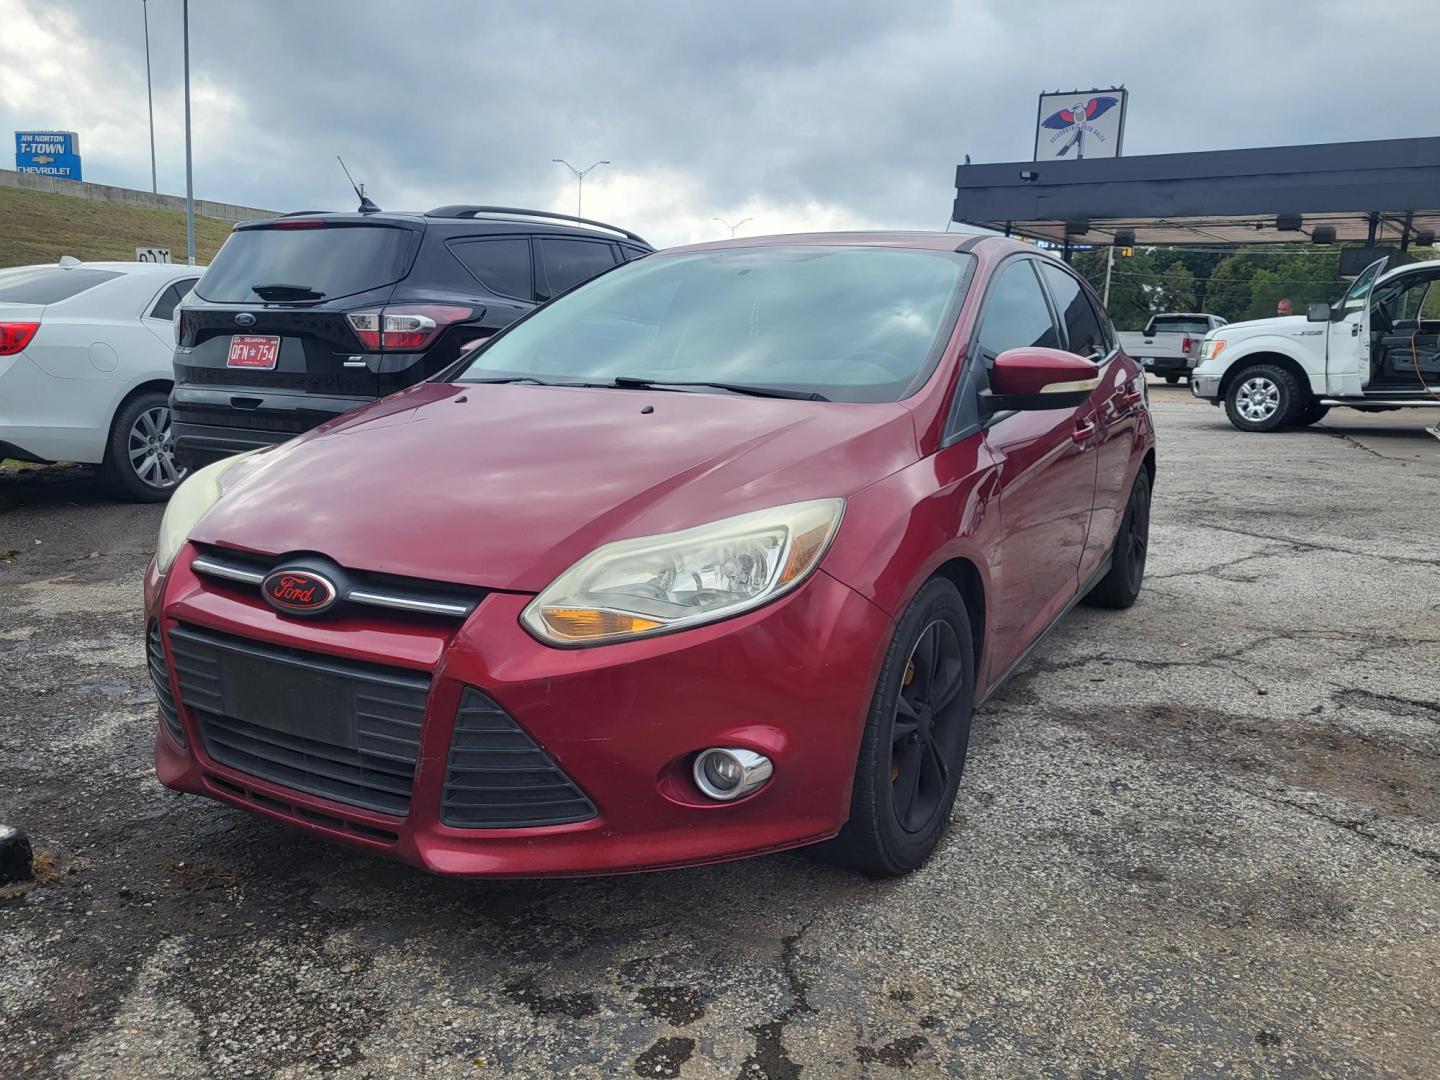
(1077, 119)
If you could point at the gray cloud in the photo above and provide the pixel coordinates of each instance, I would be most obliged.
(861, 109)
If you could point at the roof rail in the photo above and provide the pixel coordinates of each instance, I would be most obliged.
(461, 210)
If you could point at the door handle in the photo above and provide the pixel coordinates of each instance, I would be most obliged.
(1083, 430)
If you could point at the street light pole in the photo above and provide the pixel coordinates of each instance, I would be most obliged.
(149, 94)
(189, 171)
(580, 175)
(732, 228)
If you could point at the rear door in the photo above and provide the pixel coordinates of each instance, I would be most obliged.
(1047, 470)
(159, 316)
(269, 315)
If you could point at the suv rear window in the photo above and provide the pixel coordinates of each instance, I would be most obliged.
(334, 260)
(48, 284)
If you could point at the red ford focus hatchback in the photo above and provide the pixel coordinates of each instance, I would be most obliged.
(712, 556)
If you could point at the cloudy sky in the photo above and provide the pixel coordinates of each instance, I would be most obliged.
(800, 114)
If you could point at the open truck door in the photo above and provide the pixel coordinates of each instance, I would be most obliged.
(1347, 348)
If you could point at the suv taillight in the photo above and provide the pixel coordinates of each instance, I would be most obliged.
(405, 327)
(14, 336)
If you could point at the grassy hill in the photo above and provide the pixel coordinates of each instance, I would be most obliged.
(39, 227)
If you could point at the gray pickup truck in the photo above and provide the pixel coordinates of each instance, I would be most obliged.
(1170, 343)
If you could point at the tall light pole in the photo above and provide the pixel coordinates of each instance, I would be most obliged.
(149, 95)
(732, 228)
(189, 172)
(580, 175)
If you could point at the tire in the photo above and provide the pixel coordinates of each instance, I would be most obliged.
(1264, 397)
(912, 755)
(1312, 413)
(1171, 380)
(1121, 584)
(140, 460)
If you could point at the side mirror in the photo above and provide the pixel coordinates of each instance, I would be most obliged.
(1034, 378)
(1318, 312)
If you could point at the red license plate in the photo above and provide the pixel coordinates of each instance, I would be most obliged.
(253, 352)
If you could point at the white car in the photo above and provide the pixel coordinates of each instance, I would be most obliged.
(86, 365)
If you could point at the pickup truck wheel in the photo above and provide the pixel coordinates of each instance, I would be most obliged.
(1264, 397)
(1121, 585)
(913, 747)
(1312, 413)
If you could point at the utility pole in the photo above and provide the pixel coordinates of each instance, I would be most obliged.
(149, 94)
(580, 175)
(189, 171)
(1109, 265)
(732, 228)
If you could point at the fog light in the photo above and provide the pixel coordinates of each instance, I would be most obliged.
(728, 774)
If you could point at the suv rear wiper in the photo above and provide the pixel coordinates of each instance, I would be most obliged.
(279, 290)
(631, 382)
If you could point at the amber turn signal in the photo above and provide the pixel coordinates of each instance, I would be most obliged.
(583, 624)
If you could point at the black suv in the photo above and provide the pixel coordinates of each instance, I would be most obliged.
(306, 316)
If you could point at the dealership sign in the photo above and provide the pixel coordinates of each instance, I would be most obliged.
(1080, 124)
(48, 153)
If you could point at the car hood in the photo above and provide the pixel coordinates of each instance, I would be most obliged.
(505, 486)
(1286, 325)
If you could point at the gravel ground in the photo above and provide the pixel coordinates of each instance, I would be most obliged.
(1197, 839)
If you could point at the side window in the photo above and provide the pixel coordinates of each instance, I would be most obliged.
(501, 265)
(630, 254)
(1016, 313)
(165, 306)
(1082, 328)
(569, 262)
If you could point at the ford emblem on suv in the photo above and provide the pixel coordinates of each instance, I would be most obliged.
(299, 592)
(244, 319)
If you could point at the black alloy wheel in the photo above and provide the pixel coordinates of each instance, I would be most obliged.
(913, 748)
(926, 727)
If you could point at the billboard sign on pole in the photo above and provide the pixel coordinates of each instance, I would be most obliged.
(1080, 124)
(48, 153)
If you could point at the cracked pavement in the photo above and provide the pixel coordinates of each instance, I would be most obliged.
(1200, 838)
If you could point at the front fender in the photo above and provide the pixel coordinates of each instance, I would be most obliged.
(1263, 345)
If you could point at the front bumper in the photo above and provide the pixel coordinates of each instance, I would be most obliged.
(1205, 386)
(792, 680)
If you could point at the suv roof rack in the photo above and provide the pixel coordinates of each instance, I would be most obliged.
(463, 210)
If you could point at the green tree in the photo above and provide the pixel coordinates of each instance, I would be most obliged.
(1179, 287)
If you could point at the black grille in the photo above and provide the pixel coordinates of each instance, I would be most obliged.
(155, 660)
(337, 728)
(498, 777)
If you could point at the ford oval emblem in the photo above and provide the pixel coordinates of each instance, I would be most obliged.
(244, 319)
(298, 592)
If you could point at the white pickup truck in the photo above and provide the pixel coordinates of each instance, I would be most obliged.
(1170, 343)
(1377, 348)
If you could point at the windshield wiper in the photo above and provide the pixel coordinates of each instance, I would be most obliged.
(279, 290)
(512, 379)
(631, 382)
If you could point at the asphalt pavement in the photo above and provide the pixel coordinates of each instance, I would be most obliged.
(1199, 838)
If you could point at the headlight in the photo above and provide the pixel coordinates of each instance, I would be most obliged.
(196, 495)
(633, 588)
(1212, 348)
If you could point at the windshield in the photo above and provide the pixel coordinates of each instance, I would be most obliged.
(48, 284)
(848, 323)
(328, 260)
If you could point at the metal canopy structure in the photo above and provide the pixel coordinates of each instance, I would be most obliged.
(1385, 191)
